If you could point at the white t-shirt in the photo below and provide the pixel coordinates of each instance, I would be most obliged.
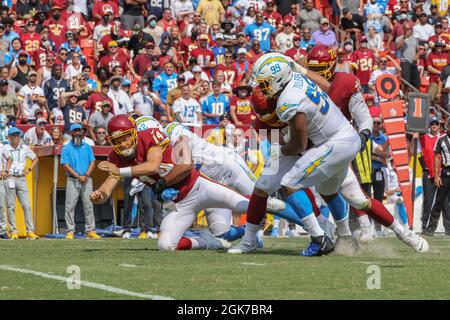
(423, 33)
(30, 137)
(120, 98)
(71, 72)
(19, 158)
(25, 94)
(57, 115)
(284, 41)
(143, 104)
(188, 109)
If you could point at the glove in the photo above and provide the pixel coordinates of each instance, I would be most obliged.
(169, 194)
(364, 136)
(159, 186)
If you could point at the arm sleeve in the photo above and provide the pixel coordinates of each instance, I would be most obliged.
(360, 112)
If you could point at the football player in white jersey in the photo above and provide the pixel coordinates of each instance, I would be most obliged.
(310, 113)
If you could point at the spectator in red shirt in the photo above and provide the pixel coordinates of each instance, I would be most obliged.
(243, 66)
(255, 52)
(56, 27)
(296, 52)
(143, 61)
(240, 106)
(229, 69)
(427, 143)
(167, 20)
(365, 61)
(94, 103)
(204, 56)
(31, 40)
(113, 58)
(436, 61)
(439, 36)
(101, 7)
(273, 16)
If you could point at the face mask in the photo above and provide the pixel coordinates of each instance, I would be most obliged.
(77, 140)
(348, 47)
(106, 19)
(56, 16)
(153, 23)
(22, 61)
(364, 45)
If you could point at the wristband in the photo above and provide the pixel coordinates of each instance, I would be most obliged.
(126, 172)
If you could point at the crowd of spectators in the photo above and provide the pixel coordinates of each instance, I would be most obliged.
(66, 62)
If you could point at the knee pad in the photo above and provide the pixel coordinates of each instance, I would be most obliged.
(299, 201)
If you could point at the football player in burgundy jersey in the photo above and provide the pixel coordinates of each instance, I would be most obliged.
(148, 155)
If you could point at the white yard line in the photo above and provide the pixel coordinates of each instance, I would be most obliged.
(88, 284)
(126, 265)
(253, 264)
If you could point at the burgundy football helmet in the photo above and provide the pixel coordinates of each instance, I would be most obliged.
(322, 59)
(122, 135)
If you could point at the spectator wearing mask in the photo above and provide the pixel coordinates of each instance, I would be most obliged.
(16, 185)
(437, 60)
(215, 105)
(38, 136)
(366, 62)
(121, 101)
(29, 96)
(99, 119)
(187, 110)
(100, 136)
(408, 49)
(310, 17)
(153, 29)
(427, 144)
(144, 100)
(325, 35)
(442, 183)
(9, 104)
(79, 162)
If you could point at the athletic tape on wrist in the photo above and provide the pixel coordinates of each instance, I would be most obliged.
(126, 172)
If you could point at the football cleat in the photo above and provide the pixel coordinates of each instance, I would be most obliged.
(259, 241)
(92, 235)
(243, 247)
(32, 236)
(126, 235)
(14, 236)
(152, 235)
(413, 240)
(69, 235)
(367, 234)
(318, 246)
(212, 242)
(346, 245)
(143, 235)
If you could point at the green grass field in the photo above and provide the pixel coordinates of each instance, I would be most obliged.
(277, 272)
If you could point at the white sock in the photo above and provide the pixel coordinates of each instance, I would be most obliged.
(250, 232)
(364, 221)
(343, 228)
(312, 226)
(397, 227)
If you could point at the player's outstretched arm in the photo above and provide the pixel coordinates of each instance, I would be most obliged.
(311, 75)
(103, 193)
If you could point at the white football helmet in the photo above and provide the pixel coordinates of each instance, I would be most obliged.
(147, 122)
(272, 72)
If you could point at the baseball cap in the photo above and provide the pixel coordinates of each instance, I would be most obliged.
(56, 7)
(241, 34)
(242, 51)
(196, 69)
(297, 37)
(219, 36)
(438, 24)
(364, 39)
(287, 21)
(106, 103)
(137, 28)
(41, 120)
(75, 126)
(3, 82)
(22, 53)
(204, 36)
(149, 44)
(403, 16)
(126, 82)
(32, 73)
(14, 130)
(224, 116)
(324, 20)
(345, 10)
(434, 119)
(181, 77)
(151, 17)
(112, 43)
